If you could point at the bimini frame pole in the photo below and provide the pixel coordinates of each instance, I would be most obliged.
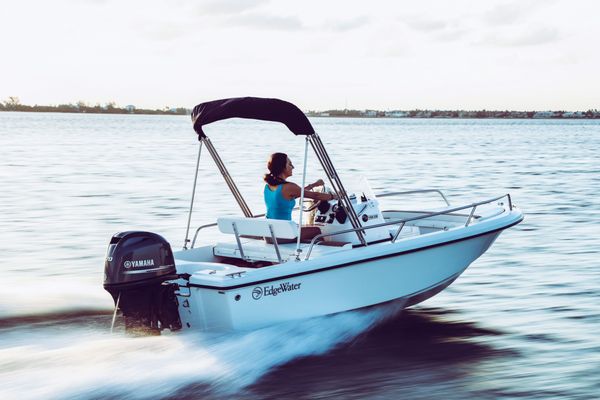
(234, 190)
(336, 184)
(187, 231)
(302, 200)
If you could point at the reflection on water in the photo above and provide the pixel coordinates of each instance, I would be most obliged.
(521, 321)
(418, 354)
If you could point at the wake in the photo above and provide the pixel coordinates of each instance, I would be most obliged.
(86, 363)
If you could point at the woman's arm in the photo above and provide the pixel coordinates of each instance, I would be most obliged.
(314, 185)
(318, 195)
(292, 191)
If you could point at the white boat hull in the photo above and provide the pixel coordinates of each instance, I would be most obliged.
(411, 275)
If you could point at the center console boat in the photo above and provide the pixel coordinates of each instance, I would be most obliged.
(264, 274)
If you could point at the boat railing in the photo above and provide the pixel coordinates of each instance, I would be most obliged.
(415, 192)
(198, 231)
(296, 208)
(402, 222)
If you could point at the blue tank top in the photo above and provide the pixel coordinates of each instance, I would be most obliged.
(278, 207)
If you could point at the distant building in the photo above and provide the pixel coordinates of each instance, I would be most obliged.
(370, 113)
(130, 108)
(396, 114)
(577, 114)
(544, 114)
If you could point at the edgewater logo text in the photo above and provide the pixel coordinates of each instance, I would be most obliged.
(272, 290)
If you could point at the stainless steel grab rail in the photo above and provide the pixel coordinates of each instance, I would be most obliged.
(403, 222)
(198, 230)
(416, 191)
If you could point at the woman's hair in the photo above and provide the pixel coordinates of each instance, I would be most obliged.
(276, 165)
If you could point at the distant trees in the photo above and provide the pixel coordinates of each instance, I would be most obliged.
(13, 101)
(14, 104)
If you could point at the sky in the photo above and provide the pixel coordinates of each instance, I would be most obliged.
(386, 55)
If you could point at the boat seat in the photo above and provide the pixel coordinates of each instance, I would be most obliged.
(258, 227)
(251, 229)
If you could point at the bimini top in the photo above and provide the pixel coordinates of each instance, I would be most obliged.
(252, 108)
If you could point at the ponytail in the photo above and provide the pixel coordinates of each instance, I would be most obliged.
(276, 165)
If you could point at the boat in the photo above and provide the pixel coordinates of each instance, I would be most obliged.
(263, 274)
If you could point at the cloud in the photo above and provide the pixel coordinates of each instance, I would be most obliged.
(267, 22)
(220, 7)
(505, 14)
(389, 50)
(95, 2)
(166, 31)
(509, 13)
(348, 25)
(425, 25)
(451, 34)
(536, 37)
(445, 30)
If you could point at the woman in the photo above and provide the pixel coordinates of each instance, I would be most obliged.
(280, 194)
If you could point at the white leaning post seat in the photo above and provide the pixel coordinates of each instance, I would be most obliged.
(259, 227)
(240, 226)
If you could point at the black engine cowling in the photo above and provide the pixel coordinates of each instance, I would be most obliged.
(136, 269)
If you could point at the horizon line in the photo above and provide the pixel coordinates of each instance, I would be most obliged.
(13, 103)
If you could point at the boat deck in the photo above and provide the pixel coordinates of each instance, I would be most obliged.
(245, 253)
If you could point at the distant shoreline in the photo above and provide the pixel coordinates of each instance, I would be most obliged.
(139, 112)
(81, 108)
(13, 104)
(458, 114)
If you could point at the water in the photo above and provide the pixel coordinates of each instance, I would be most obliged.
(521, 322)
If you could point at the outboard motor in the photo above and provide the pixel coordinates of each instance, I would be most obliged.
(136, 269)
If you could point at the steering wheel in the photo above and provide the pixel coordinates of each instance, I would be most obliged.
(317, 203)
(314, 205)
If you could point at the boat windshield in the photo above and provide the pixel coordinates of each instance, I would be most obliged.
(361, 188)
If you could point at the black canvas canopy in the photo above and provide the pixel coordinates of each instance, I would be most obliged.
(252, 108)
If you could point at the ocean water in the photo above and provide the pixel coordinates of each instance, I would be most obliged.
(521, 322)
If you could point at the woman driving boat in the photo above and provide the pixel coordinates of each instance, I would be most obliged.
(279, 194)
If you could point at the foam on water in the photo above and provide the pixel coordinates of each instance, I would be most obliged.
(30, 298)
(84, 363)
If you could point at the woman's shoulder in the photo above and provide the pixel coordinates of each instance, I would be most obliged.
(283, 185)
(290, 189)
(289, 185)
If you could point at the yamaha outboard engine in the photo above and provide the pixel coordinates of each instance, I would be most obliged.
(136, 269)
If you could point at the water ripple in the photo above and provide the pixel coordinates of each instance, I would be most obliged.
(521, 322)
